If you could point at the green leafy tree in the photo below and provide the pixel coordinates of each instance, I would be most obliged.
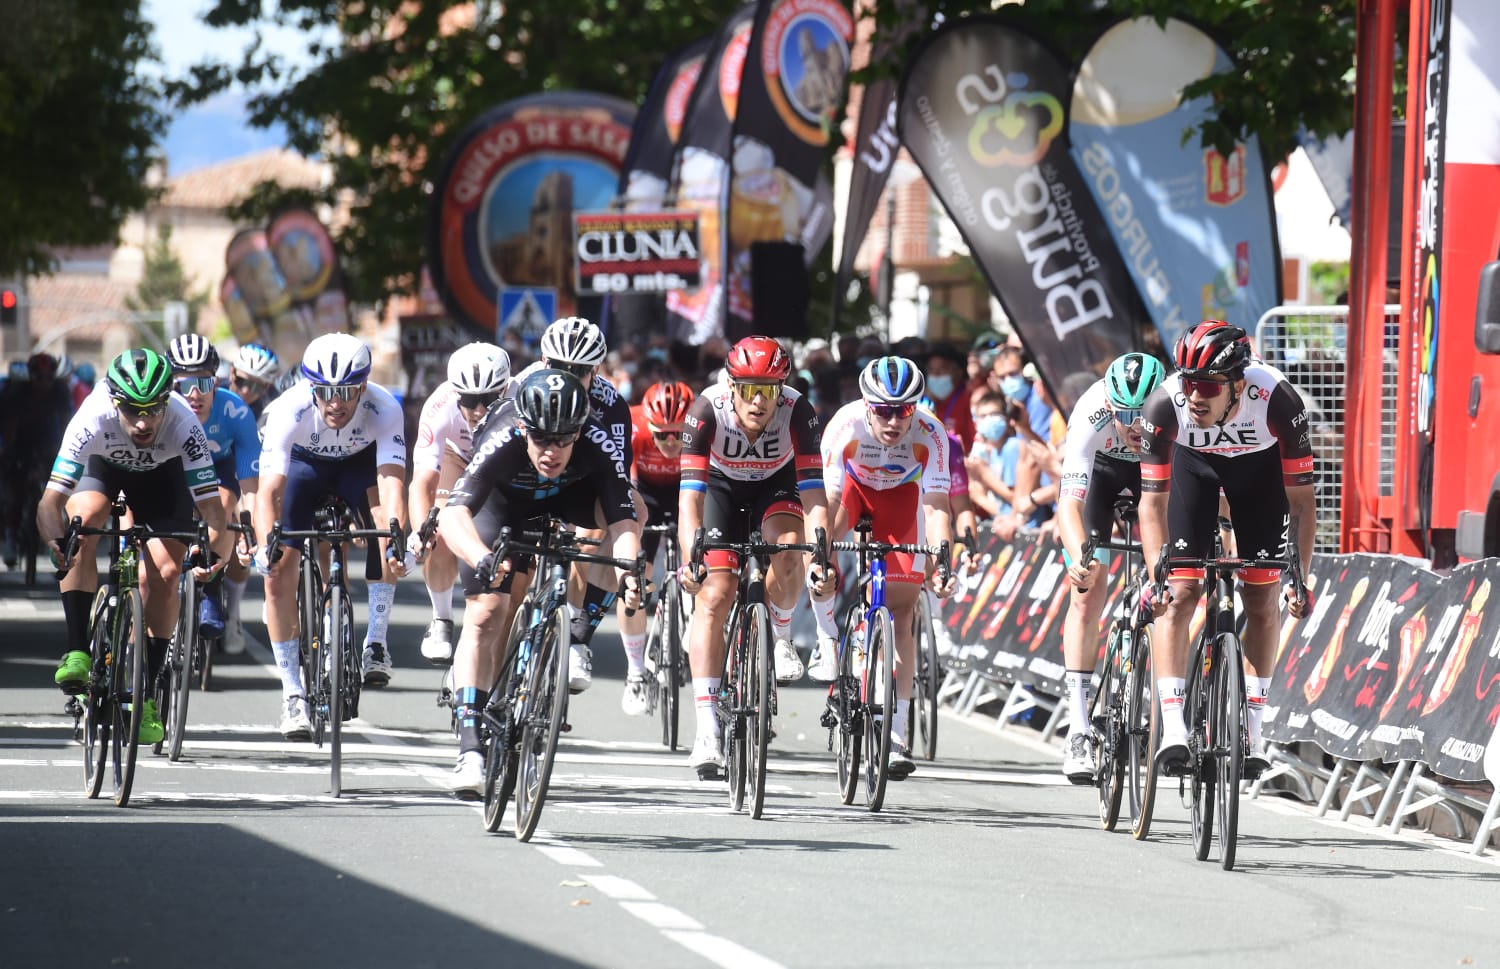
(163, 280)
(79, 121)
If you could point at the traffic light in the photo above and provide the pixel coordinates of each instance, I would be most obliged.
(10, 302)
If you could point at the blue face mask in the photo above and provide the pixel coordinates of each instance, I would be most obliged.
(991, 428)
(941, 388)
(1016, 387)
(659, 354)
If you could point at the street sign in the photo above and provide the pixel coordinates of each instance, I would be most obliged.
(525, 311)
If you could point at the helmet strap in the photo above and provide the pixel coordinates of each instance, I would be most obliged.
(1234, 399)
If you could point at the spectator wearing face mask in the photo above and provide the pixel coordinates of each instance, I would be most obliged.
(1035, 487)
(946, 387)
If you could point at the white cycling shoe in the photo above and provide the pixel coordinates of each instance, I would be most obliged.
(823, 665)
(789, 668)
(580, 668)
(467, 781)
(437, 643)
(706, 758)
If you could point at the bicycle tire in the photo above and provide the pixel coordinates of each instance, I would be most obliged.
(546, 710)
(501, 757)
(337, 643)
(310, 635)
(929, 681)
(130, 642)
(1107, 717)
(762, 697)
(1200, 774)
(1230, 740)
(180, 667)
(203, 658)
(670, 679)
(97, 698)
(733, 690)
(879, 691)
(846, 706)
(1143, 724)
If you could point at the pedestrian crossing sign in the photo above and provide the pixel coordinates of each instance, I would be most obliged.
(525, 311)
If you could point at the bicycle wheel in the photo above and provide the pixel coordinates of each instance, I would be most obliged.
(845, 695)
(1230, 739)
(1107, 718)
(337, 644)
(879, 693)
(179, 669)
(202, 656)
(98, 699)
(929, 681)
(310, 635)
(669, 661)
(129, 679)
(541, 720)
(1143, 734)
(760, 677)
(1200, 776)
(499, 727)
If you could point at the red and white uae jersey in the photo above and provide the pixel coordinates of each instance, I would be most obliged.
(850, 449)
(713, 442)
(442, 427)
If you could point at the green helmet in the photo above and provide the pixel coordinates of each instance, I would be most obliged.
(139, 377)
(1131, 378)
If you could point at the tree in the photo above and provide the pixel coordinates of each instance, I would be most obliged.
(163, 280)
(79, 120)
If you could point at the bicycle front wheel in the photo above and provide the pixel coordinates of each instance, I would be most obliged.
(311, 632)
(338, 644)
(846, 700)
(1143, 734)
(1200, 777)
(670, 661)
(499, 728)
(129, 692)
(734, 697)
(543, 713)
(929, 680)
(99, 699)
(761, 682)
(180, 667)
(1230, 740)
(1107, 717)
(879, 687)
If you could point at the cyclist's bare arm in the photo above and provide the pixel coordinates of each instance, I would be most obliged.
(267, 507)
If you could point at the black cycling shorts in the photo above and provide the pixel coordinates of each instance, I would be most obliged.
(158, 498)
(733, 508)
(310, 480)
(577, 504)
(1108, 481)
(1257, 504)
(661, 501)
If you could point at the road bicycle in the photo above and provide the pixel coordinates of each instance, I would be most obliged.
(862, 698)
(665, 657)
(929, 680)
(747, 689)
(332, 670)
(1123, 711)
(109, 712)
(528, 706)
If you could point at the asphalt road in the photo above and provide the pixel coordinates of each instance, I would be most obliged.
(237, 856)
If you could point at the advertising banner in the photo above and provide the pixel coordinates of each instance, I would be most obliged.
(982, 110)
(503, 204)
(1196, 229)
(282, 285)
(636, 252)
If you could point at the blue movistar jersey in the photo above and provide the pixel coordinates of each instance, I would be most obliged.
(231, 432)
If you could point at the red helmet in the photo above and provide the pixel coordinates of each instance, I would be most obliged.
(758, 358)
(666, 404)
(1213, 347)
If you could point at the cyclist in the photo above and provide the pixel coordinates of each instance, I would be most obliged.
(539, 453)
(1101, 459)
(133, 436)
(750, 460)
(657, 474)
(252, 375)
(33, 415)
(886, 458)
(1222, 421)
(235, 448)
(335, 435)
(478, 375)
(576, 346)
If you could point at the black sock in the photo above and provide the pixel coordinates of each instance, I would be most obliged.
(596, 603)
(156, 657)
(76, 606)
(470, 702)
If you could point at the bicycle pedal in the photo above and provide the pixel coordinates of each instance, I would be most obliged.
(829, 719)
(566, 727)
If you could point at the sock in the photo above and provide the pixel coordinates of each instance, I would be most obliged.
(382, 594)
(470, 701)
(1080, 694)
(289, 665)
(76, 606)
(899, 724)
(233, 593)
(1172, 689)
(823, 614)
(635, 651)
(583, 622)
(705, 692)
(781, 622)
(1256, 689)
(156, 657)
(442, 603)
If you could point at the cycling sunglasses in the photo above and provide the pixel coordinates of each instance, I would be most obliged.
(1207, 389)
(666, 435)
(240, 380)
(747, 392)
(556, 441)
(580, 370)
(186, 385)
(340, 391)
(149, 410)
(477, 401)
(1128, 415)
(892, 412)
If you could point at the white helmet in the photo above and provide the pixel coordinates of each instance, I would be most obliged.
(336, 358)
(573, 340)
(257, 361)
(192, 352)
(479, 368)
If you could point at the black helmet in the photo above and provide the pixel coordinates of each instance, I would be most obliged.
(552, 402)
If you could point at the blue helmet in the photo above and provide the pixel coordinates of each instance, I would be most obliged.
(891, 380)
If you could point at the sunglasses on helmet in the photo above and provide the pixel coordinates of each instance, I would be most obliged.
(327, 392)
(186, 385)
(1205, 388)
(892, 412)
(748, 391)
(477, 401)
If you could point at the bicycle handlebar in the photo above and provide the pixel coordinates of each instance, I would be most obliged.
(754, 548)
(559, 544)
(335, 536)
(77, 530)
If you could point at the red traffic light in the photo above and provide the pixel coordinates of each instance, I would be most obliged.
(9, 302)
(7, 299)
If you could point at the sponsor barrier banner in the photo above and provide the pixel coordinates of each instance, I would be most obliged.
(982, 109)
(282, 284)
(503, 204)
(636, 252)
(1196, 229)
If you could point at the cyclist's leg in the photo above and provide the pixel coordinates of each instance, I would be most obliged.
(211, 617)
(91, 504)
(635, 700)
(578, 505)
(898, 517)
(778, 510)
(357, 485)
(844, 508)
(306, 483)
(724, 519)
(440, 572)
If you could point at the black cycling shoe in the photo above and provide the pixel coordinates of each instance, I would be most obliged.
(1253, 766)
(1172, 759)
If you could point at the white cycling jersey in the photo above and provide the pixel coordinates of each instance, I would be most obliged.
(1092, 433)
(96, 431)
(294, 426)
(850, 449)
(442, 427)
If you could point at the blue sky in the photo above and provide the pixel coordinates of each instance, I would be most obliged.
(216, 130)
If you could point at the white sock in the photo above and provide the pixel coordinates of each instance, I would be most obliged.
(705, 692)
(823, 612)
(289, 665)
(442, 603)
(1173, 690)
(898, 722)
(781, 622)
(233, 593)
(1080, 690)
(1256, 689)
(382, 594)
(635, 651)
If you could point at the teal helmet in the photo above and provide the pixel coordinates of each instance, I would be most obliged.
(1131, 378)
(139, 377)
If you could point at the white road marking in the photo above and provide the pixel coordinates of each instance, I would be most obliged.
(720, 951)
(660, 916)
(620, 889)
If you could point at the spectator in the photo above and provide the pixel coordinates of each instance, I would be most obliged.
(991, 464)
(945, 388)
(981, 365)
